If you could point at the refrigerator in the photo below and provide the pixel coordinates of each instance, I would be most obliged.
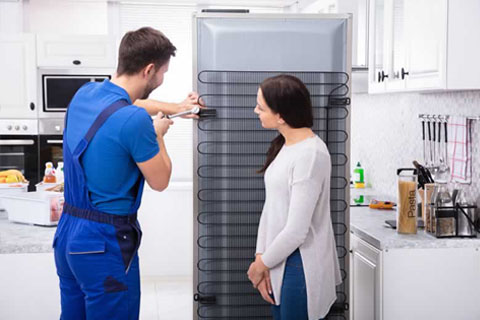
(233, 53)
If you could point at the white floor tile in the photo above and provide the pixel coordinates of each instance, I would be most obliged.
(166, 298)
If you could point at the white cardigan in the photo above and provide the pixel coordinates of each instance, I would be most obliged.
(296, 214)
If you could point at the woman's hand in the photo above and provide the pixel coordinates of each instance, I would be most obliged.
(265, 288)
(257, 270)
(154, 106)
(190, 102)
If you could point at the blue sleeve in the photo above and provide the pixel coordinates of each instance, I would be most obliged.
(139, 137)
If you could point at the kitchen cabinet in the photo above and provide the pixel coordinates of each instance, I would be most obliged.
(423, 45)
(359, 11)
(365, 280)
(76, 51)
(18, 98)
(398, 277)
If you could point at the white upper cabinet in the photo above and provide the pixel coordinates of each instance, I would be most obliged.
(424, 45)
(18, 97)
(76, 51)
(377, 70)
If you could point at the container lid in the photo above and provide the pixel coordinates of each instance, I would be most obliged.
(414, 170)
(14, 185)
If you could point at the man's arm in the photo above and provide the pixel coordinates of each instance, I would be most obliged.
(154, 106)
(157, 170)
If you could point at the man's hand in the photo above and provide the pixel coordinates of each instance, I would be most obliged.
(161, 124)
(257, 270)
(265, 288)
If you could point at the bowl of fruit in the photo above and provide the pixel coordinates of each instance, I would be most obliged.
(13, 181)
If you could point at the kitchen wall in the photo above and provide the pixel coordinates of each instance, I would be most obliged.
(386, 133)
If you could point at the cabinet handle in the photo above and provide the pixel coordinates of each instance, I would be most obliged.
(76, 62)
(32, 106)
(404, 73)
(384, 76)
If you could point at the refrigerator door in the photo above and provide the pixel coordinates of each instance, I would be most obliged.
(281, 44)
(233, 54)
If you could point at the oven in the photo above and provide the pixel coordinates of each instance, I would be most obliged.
(51, 141)
(19, 143)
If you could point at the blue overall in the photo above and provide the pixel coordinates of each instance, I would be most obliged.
(96, 252)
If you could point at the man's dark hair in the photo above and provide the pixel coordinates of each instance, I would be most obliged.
(142, 47)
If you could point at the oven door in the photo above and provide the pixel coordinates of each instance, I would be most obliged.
(21, 152)
(51, 149)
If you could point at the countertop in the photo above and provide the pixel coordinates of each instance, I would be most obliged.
(24, 238)
(369, 225)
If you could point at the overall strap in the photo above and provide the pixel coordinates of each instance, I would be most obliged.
(103, 116)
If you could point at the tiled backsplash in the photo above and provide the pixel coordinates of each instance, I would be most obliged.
(386, 133)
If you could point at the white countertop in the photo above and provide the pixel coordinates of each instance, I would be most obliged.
(24, 238)
(369, 225)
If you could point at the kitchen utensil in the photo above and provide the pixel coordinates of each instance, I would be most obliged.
(447, 167)
(407, 200)
(442, 174)
(385, 205)
(424, 175)
(424, 142)
(434, 144)
(429, 162)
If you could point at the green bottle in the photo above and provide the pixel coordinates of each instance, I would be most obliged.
(358, 176)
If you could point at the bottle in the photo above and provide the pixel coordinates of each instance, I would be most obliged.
(358, 176)
(59, 172)
(49, 176)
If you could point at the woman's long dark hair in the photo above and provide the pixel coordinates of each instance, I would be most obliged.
(289, 97)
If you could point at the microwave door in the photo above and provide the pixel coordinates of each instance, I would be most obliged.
(59, 90)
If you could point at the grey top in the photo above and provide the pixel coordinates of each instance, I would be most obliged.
(296, 214)
(369, 225)
(24, 238)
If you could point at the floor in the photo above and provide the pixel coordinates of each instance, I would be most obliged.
(166, 298)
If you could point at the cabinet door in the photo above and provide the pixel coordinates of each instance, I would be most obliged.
(76, 51)
(426, 27)
(366, 280)
(377, 72)
(17, 76)
(364, 287)
(395, 54)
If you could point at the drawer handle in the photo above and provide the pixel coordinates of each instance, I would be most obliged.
(76, 62)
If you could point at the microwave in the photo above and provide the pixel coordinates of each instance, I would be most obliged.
(57, 90)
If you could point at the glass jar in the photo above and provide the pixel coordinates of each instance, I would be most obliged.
(407, 200)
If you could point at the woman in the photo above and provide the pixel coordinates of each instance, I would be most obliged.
(296, 252)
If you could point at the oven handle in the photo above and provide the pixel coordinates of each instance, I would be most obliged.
(17, 142)
(55, 141)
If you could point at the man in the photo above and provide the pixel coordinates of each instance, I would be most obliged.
(110, 148)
